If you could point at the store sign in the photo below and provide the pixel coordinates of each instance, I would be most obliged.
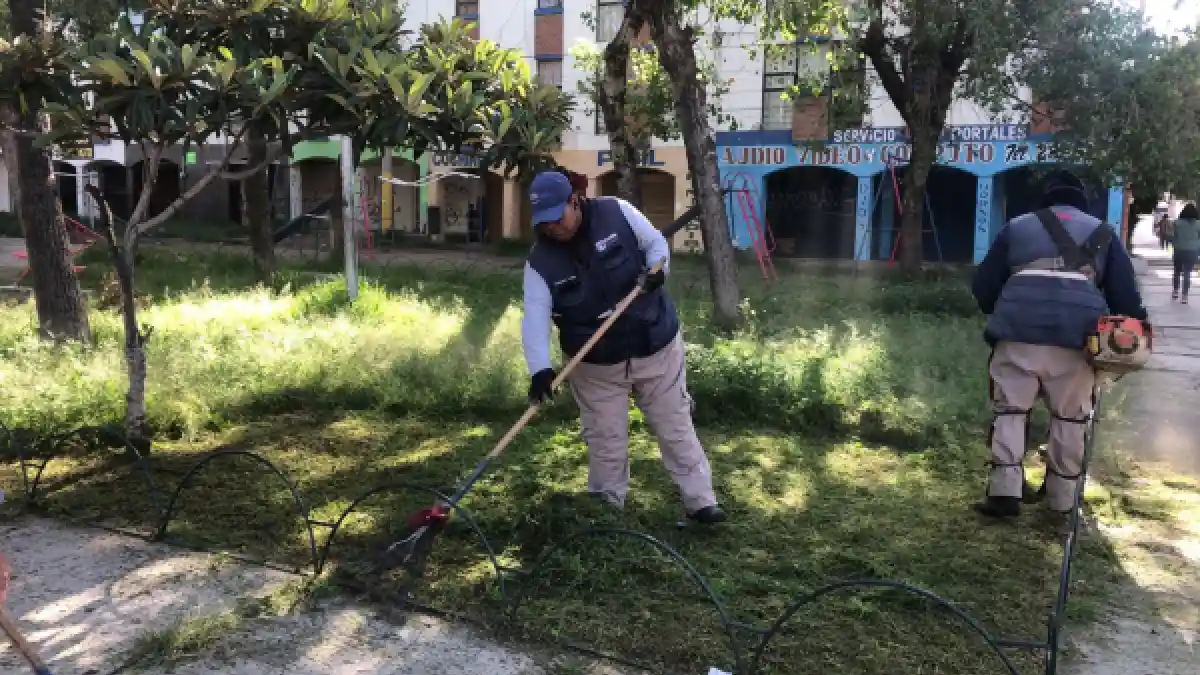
(646, 158)
(961, 133)
(74, 150)
(864, 154)
(456, 159)
(752, 156)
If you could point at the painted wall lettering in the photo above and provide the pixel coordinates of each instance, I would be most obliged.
(647, 158)
(757, 156)
(877, 135)
(455, 159)
(960, 133)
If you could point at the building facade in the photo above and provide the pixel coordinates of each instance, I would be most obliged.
(794, 182)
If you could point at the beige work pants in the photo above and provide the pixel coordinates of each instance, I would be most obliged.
(1021, 374)
(659, 387)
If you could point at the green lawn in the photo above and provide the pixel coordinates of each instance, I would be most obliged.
(845, 425)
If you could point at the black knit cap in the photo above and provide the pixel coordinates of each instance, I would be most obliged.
(1063, 188)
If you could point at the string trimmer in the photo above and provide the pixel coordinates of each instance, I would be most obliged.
(425, 524)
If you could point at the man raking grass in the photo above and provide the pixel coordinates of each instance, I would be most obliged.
(588, 254)
(621, 334)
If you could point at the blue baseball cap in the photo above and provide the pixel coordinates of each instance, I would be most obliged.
(548, 195)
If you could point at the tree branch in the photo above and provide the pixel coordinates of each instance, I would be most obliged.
(218, 171)
(874, 45)
(150, 165)
(272, 155)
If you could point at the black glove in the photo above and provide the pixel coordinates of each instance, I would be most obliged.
(541, 386)
(653, 282)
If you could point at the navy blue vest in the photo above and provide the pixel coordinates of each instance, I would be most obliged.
(589, 275)
(1043, 302)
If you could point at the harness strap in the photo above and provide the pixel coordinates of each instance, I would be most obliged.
(1072, 420)
(1003, 465)
(1077, 257)
(1050, 469)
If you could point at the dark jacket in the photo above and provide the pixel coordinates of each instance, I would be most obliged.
(589, 275)
(1030, 302)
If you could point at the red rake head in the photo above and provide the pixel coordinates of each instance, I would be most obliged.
(432, 516)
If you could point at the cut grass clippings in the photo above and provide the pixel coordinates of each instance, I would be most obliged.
(844, 425)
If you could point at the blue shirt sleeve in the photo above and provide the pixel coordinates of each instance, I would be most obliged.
(1120, 284)
(650, 240)
(535, 321)
(992, 273)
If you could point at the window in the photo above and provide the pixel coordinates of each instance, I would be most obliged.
(609, 15)
(550, 73)
(785, 66)
(466, 8)
(550, 4)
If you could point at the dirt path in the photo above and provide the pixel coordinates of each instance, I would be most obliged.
(1155, 431)
(87, 598)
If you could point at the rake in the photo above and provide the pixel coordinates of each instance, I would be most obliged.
(9, 625)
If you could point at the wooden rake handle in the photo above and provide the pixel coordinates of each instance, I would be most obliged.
(617, 311)
(18, 639)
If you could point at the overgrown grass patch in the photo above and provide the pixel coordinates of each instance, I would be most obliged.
(845, 425)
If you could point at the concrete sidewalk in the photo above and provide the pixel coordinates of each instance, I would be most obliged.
(1162, 413)
(1151, 426)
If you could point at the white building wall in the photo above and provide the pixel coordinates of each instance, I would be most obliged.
(509, 24)
(417, 12)
(743, 73)
(583, 125)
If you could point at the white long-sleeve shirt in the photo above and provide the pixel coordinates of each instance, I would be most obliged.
(536, 322)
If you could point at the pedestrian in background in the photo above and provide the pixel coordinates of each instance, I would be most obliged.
(1163, 229)
(1185, 237)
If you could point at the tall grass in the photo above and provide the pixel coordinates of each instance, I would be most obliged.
(820, 353)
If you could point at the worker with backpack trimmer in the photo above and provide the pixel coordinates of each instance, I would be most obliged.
(1050, 279)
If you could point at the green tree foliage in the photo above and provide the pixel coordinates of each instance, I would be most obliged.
(290, 70)
(650, 106)
(80, 19)
(1126, 102)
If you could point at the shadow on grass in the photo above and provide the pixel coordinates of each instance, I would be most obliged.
(804, 514)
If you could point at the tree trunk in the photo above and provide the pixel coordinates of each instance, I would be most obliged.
(136, 433)
(61, 311)
(676, 53)
(919, 77)
(612, 105)
(916, 178)
(256, 209)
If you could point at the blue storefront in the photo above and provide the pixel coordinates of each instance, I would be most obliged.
(838, 200)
